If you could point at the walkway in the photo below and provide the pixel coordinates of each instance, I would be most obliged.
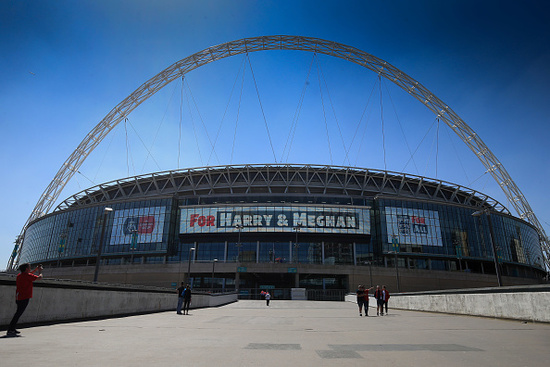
(288, 333)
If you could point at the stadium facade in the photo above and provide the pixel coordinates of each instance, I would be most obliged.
(254, 227)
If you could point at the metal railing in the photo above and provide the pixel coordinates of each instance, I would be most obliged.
(285, 294)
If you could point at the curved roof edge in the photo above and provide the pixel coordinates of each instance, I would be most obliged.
(283, 179)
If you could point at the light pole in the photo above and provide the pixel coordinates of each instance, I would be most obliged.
(370, 264)
(133, 244)
(237, 277)
(191, 250)
(492, 235)
(296, 245)
(239, 227)
(62, 244)
(212, 283)
(459, 255)
(395, 245)
(297, 254)
(370, 272)
(106, 211)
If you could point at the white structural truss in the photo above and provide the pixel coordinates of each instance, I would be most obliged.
(264, 43)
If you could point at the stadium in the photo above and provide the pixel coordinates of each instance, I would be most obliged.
(252, 227)
(283, 227)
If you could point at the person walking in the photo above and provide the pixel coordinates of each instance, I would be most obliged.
(386, 297)
(366, 303)
(23, 293)
(186, 299)
(379, 296)
(360, 292)
(267, 298)
(180, 291)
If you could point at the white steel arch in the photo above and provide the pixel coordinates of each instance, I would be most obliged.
(264, 43)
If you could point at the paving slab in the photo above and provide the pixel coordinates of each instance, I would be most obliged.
(287, 333)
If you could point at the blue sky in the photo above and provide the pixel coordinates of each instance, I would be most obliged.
(65, 64)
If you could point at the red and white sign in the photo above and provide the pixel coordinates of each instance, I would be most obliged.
(312, 219)
(146, 224)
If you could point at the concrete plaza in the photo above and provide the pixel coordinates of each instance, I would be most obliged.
(287, 333)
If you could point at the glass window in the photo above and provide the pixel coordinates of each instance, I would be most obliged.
(278, 252)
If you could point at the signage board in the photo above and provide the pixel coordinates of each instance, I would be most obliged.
(410, 226)
(305, 219)
(138, 225)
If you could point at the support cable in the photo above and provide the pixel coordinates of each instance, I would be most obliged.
(77, 182)
(105, 154)
(366, 125)
(225, 111)
(485, 184)
(483, 174)
(458, 156)
(160, 124)
(83, 175)
(262, 108)
(382, 122)
(401, 127)
(434, 142)
(127, 147)
(324, 114)
(193, 125)
(238, 114)
(180, 122)
(202, 122)
(296, 117)
(145, 146)
(333, 111)
(418, 146)
(437, 148)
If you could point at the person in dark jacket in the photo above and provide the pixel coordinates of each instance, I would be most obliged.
(360, 292)
(186, 299)
(386, 297)
(379, 301)
(180, 291)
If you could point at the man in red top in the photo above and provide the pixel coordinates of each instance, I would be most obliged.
(23, 293)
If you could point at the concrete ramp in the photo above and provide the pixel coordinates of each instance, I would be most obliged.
(287, 333)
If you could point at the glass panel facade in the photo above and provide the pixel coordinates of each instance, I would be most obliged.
(430, 235)
(338, 253)
(311, 253)
(138, 227)
(428, 228)
(275, 252)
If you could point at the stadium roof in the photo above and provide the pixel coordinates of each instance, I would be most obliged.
(287, 179)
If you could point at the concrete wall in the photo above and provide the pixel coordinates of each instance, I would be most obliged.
(528, 303)
(163, 275)
(55, 300)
